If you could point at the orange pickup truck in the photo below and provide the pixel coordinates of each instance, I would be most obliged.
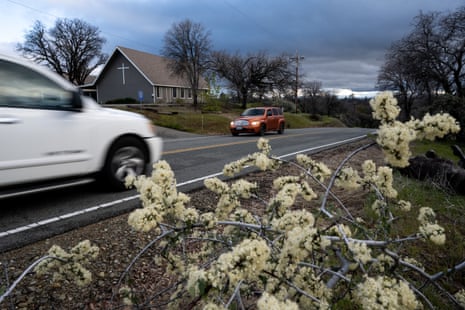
(258, 120)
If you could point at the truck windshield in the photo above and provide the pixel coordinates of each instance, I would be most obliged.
(253, 112)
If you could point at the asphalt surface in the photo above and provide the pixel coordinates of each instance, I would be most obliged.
(168, 133)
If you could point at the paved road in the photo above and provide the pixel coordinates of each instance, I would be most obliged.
(192, 158)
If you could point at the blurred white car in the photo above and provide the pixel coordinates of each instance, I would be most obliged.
(49, 132)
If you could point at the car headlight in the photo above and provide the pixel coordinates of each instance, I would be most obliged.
(232, 123)
(255, 123)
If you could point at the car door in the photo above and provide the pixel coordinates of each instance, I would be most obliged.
(271, 120)
(41, 135)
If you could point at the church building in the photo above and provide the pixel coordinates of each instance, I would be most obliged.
(141, 76)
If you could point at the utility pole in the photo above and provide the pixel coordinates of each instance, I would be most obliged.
(296, 58)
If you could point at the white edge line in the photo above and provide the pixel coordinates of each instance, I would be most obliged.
(323, 146)
(32, 191)
(112, 203)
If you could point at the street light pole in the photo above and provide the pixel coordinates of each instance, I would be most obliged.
(296, 58)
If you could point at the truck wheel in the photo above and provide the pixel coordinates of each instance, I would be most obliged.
(126, 157)
(281, 128)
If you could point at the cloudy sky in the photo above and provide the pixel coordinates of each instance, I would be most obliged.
(342, 42)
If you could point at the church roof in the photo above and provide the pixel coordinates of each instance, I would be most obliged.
(153, 67)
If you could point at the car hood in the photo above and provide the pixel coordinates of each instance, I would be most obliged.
(249, 118)
(90, 104)
(122, 113)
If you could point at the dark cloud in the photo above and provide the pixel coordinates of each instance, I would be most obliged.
(342, 41)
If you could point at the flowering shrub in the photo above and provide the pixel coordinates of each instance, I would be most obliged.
(64, 266)
(395, 137)
(282, 257)
(69, 265)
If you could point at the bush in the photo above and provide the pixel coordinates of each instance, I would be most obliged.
(455, 106)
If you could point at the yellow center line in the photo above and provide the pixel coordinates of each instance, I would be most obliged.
(224, 144)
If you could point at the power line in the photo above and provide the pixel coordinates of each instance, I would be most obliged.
(59, 17)
(32, 8)
(297, 58)
(249, 18)
(253, 20)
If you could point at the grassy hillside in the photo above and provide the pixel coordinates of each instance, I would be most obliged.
(218, 123)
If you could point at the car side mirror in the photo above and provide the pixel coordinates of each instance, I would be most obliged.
(76, 101)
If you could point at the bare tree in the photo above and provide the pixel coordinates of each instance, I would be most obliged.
(453, 45)
(187, 45)
(405, 73)
(430, 59)
(424, 46)
(311, 91)
(72, 48)
(331, 103)
(254, 73)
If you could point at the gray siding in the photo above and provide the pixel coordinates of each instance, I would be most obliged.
(110, 85)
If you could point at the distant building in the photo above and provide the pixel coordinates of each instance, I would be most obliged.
(141, 76)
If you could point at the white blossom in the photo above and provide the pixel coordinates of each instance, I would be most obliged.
(361, 251)
(319, 170)
(404, 205)
(395, 139)
(434, 232)
(385, 293)
(460, 297)
(291, 219)
(196, 278)
(348, 178)
(384, 182)
(144, 219)
(216, 185)
(434, 126)
(243, 188)
(269, 302)
(264, 146)
(426, 215)
(340, 230)
(244, 262)
(70, 266)
(385, 107)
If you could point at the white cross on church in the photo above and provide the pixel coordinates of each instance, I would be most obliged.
(123, 68)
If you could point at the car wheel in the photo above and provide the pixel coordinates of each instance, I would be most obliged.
(281, 128)
(234, 133)
(262, 130)
(126, 157)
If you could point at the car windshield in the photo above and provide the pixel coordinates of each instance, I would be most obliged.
(253, 112)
